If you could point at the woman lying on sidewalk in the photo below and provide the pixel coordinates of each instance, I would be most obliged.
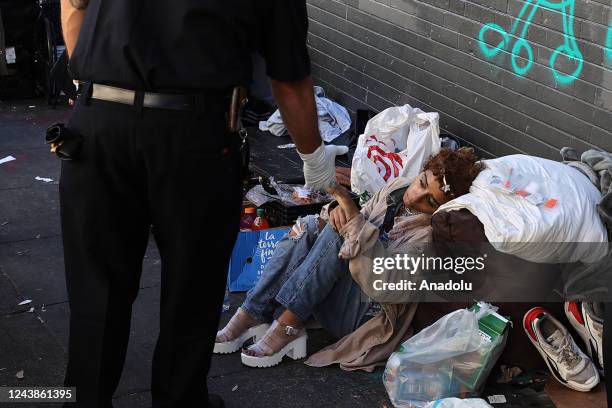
(317, 268)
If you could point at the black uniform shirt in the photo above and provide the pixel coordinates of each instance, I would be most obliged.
(190, 45)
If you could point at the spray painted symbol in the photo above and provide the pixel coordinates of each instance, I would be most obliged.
(569, 48)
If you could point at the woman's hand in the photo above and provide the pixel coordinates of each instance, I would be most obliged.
(346, 210)
(337, 218)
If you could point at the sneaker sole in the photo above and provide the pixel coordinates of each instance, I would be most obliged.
(553, 370)
(295, 350)
(232, 346)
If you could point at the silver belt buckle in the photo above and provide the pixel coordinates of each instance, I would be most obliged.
(113, 94)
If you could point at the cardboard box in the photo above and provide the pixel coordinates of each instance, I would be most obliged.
(491, 327)
(253, 249)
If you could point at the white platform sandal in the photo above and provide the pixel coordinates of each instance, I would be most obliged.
(262, 354)
(241, 328)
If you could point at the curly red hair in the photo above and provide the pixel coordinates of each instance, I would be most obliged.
(458, 167)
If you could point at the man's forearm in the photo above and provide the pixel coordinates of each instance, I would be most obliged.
(73, 13)
(299, 111)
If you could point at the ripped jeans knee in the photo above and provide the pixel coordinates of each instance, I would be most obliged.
(310, 224)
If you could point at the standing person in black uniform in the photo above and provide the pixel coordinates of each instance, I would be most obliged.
(156, 151)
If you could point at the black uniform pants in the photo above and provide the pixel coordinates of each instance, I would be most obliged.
(180, 172)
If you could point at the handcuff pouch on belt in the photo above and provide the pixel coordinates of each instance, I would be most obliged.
(234, 123)
(63, 142)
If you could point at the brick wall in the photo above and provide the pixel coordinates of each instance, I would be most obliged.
(498, 94)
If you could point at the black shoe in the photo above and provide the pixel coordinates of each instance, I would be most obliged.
(215, 401)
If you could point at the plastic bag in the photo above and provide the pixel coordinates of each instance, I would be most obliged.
(450, 358)
(289, 194)
(395, 143)
(292, 194)
(526, 203)
(334, 119)
(459, 403)
(258, 196)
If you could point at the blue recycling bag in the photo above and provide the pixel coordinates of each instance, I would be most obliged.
(251, 252)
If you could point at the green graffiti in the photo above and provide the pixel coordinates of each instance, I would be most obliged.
(522, 50)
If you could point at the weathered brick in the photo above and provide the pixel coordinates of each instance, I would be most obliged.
(427, 53)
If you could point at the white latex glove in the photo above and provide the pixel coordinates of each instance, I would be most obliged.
(320, 166)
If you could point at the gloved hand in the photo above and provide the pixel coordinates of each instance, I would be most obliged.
(320, 166)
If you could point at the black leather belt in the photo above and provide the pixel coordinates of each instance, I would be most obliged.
(153, 99)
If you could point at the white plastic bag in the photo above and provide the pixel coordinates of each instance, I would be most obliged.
(395, 143)
(458, 403)
(334, 119)
(447, 359)
(536, 209)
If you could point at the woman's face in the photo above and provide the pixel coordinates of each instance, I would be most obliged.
(424, 194)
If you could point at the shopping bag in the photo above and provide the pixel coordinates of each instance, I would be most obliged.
(395, 143)
(252, 250)
(453, 357)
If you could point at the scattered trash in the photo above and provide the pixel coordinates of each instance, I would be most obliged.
(32, 106)
(288, 194)
(507, 374)
(45, 179)
(20, 253)
(226, 301)
(3, 368)
(41, 320)
(7, 159)
(333, 118)
(497, 399)
(25, 302)
(19, 374)
(38, 236)
(31, 310)
(235, 387)
(458, 403)
(43, 308)
(286, 146)
(4, 223)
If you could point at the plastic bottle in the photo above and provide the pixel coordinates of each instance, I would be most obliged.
(246, 222)
(260, 222)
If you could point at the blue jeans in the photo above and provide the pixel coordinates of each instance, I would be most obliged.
(306, 276)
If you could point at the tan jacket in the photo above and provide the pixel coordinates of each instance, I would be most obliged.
(372, 343)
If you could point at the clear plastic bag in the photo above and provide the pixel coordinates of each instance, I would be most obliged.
(289, 194)
(450, 358)
(292, 194)
(258, 196)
